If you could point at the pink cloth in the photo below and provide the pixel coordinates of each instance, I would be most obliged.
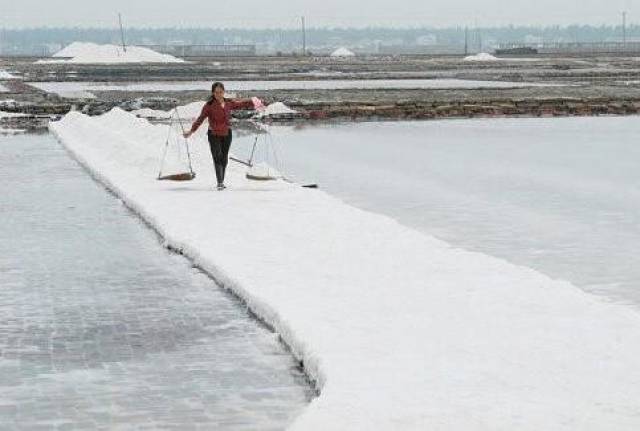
(257, 104)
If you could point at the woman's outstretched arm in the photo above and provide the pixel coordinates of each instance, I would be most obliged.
(198, 122)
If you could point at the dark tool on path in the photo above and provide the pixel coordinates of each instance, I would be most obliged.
(179, 176)
(264, 171)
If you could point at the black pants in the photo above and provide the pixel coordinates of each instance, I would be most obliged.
(219, 146)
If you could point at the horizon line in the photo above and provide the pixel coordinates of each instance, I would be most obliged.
(328, 27)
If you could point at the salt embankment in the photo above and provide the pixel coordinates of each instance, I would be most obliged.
(400, 330)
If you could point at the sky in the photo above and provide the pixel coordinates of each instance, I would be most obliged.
(324, 13)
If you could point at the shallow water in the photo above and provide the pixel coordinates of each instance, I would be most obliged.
(101, 327)
(561, 196)
(70, 88)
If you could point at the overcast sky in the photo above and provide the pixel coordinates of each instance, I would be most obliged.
(319, 13)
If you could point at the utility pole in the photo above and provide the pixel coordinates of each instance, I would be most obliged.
(478, 37)
(124, 46)
(304, 38)
(466, 41)
(624, 29)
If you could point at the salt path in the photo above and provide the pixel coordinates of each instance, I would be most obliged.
(400, 331)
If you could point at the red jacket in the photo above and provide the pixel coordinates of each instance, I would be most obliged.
(219, 117)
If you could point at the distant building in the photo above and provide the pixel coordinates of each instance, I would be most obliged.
(533, 40)
(205, 50)
(572, 48)
(427, 39)
(406, 49)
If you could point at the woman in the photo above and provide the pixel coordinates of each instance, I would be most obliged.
(218, 111)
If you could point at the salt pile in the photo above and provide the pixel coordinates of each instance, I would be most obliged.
(277, 108)
(192, 110)
(342, 52)
(483, 56)
(91, 53)
(263, 171)
(186, 112)
(6, 75)
(151, 113)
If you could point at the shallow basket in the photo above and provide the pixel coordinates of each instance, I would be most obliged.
(262, 172)
(185, 176)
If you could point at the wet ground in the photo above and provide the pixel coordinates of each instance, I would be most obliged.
(102, 328)
(597, 84)
(561, 196)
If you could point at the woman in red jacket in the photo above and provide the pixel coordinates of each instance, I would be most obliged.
(218, 111)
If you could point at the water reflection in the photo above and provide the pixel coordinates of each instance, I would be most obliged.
(558, 195)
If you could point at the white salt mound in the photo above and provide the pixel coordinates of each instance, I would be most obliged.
(91, 53)
(483, 56)
(342, 52)
(263, 170)
(191, 111)
(275, 109)
(186, 112)
(75, 49)
(6, 75)
(150, 113)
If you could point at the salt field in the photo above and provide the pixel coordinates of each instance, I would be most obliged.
(474, 270)
(558, 195)
(304, 216)
(103, 328)
(395, 327)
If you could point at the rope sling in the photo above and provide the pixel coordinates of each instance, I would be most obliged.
(271, 166)
(180, 176)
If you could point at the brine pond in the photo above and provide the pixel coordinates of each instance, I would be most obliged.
(559, 195)
(103, 328)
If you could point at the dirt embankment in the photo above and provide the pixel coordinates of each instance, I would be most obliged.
(566, 86)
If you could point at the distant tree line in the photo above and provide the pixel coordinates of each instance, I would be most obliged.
(37, 40)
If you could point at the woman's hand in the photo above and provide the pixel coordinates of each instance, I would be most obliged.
(258, 104)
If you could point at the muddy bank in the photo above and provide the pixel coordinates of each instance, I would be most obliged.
(569, 87)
